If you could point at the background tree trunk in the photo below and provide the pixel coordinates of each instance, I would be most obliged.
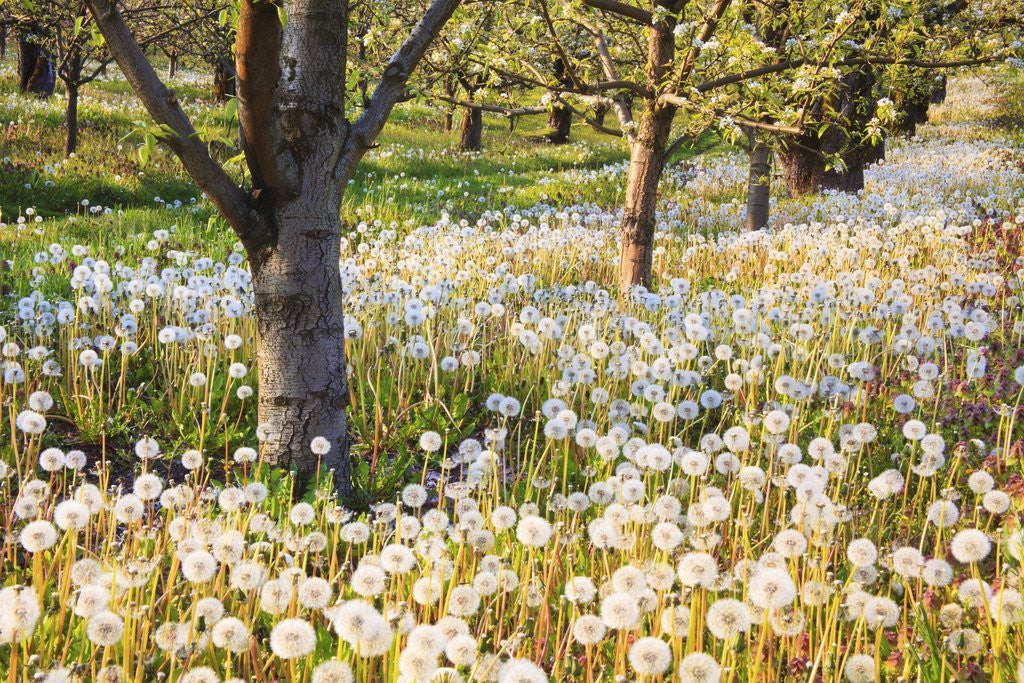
(804, 165)
(71, 119)
(471, 139)
(560, 117)
(758, 182)
(646, 163)
(560, 123)
(224, 79)
(71, 85)
(172, 64)
(449, 119)
(35, 71)
(600, 111)
(913, 110)
(804, 160)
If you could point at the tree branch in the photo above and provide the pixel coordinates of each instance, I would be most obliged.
(622, 9)
(257, 66)
(779, 67)
(163, 106)
(391, 86)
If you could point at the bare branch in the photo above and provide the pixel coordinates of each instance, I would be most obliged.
(622, 9)
(391, 86)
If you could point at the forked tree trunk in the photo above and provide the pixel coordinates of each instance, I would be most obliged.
(300, 341)
(758, 182)
(472, 138)
(639, 218)
(301, 152)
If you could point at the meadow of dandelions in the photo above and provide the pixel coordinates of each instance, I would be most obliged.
(798, 457)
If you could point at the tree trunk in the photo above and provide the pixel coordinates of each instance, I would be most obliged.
(449, 120)
(3, 42)
(35, 71)
(224, 80)
(560, 123)
(71, 85)
(300, 338)
(804, 161)
(804, 167)
(472, 130)
(646, 162)
(560, 117)
(71, 120)
(913, 111)
(758, 182)
(172, 65)
(600, 111)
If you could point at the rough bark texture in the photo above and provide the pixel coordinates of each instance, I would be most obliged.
(471, 139)
(639, 218)
(300, 342)
(35, 70)
(758, 182)
(646, 163)
(804, 167)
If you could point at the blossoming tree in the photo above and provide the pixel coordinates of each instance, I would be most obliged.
(672, 68)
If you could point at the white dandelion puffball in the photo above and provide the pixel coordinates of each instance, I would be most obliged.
(292, 638)
(650, 656)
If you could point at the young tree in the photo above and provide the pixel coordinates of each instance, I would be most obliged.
(301, 149)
